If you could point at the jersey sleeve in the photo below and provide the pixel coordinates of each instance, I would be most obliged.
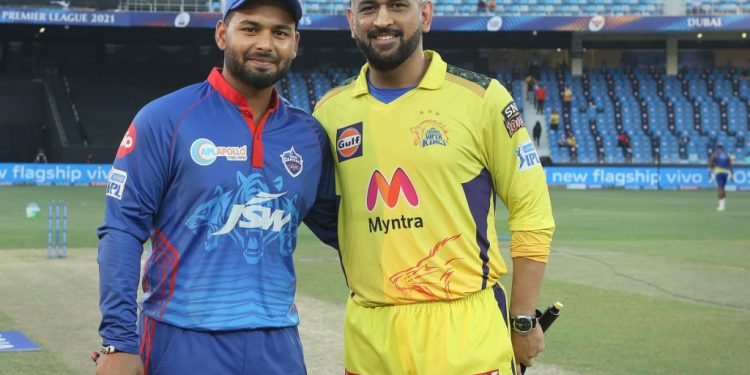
(322, 218)
(514, 164)
(133, 194)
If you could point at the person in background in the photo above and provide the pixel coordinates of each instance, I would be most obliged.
(417, 140)
(567, 97)
(481, 6)
(571, 141)
(530, 87)
(537, 132)
(720, 168)
(623, 141)
(540, 94)
(554, 120)
(218, 176)
(40, 157)
(491, 5)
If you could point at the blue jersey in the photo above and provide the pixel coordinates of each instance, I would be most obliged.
(723, 162)
(221, 196)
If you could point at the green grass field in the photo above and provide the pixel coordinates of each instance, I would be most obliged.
(653, 282)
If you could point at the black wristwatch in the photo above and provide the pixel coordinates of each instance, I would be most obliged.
(522, 324)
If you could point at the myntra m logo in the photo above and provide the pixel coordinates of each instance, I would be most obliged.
(390, 192)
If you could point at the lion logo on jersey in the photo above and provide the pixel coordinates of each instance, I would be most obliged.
(429, 275)
(251, 217)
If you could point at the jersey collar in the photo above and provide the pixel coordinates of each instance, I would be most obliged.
(433, 78)
(217, 81)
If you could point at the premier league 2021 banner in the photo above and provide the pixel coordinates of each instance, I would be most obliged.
(338, 21)
(652, 177)
(53, 174)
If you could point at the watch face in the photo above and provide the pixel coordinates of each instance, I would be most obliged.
(522, 324)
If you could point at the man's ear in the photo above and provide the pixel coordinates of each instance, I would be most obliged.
(427, 11)
(296, 43)
(220, 35)
(350, 19)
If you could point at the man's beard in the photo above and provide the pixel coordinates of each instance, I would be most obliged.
(388, 63)
(235, 63)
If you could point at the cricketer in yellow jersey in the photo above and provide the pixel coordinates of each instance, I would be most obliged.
(421, 150)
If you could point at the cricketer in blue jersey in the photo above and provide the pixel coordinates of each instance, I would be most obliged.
(218, 176)
(721, 167)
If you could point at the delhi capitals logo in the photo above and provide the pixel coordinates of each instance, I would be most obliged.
(292, 162)
(256, 217)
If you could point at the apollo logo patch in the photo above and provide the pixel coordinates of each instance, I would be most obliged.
(349, 142)
(513, 118)
(204, 152)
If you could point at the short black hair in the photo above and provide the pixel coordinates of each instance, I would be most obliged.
(231, 13)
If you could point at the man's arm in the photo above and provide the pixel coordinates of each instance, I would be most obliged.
(530, 253)
(527, 281)
(133, 196)
(521, 185)
(119, 272)
(322, 218)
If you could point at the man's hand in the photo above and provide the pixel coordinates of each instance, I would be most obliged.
(119, 363)
(526, 348)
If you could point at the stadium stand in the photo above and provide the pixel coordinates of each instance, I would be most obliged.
(551, 7)
(700, 7)
(442, 7)
(22, 106)
(90, 93)
(662, 128)
(705, 108)
(65, 4)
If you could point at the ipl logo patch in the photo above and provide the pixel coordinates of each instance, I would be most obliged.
(527, 157)
(430, 133)
(116, 183)
(292, 162)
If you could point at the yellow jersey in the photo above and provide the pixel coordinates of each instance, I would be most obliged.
(417, 180)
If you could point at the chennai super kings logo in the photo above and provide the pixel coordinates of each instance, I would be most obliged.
(430, 278)
(430, 133)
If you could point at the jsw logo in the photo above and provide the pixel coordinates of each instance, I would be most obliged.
(252, 215)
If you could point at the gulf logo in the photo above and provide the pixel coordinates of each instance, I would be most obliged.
(349, 142)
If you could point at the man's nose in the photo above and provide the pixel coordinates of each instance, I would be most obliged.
(383, 18)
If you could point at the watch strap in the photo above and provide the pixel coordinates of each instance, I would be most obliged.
(107, 349)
